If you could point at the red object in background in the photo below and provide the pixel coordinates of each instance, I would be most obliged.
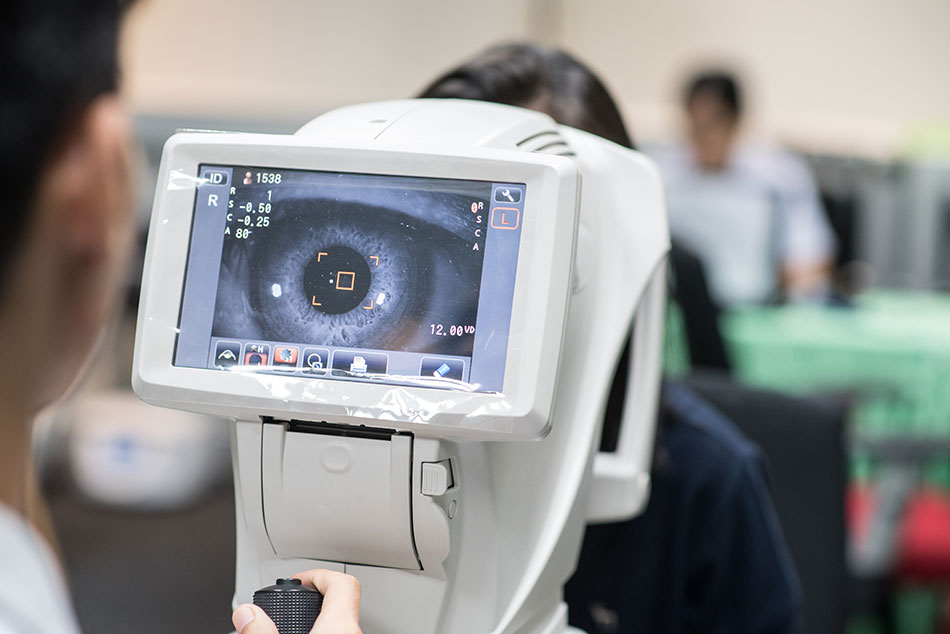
(924, 538)
(860, 503)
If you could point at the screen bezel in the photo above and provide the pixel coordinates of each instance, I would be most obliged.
(522, 409)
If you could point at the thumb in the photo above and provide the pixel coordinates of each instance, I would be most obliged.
(250, 619)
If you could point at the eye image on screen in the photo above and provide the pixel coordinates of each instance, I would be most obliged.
(351, 260)
(347, 276)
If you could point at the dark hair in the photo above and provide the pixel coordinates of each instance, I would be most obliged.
(539, 78)
(720, 85)
(58, 56)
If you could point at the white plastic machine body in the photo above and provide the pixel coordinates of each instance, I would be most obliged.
(458, 511)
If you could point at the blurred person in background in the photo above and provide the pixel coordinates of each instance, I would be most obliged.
(707, 554)
(556, 84)
(65, 172)
(752, 214)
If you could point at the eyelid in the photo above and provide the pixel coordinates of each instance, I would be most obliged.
(414, 204)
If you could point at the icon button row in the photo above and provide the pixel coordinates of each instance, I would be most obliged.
(227, 354)
(318, 361)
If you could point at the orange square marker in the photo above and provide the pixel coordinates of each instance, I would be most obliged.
(351, 280)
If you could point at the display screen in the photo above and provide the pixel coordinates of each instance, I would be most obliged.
(356, 277)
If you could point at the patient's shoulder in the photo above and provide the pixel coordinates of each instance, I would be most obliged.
(693, 430)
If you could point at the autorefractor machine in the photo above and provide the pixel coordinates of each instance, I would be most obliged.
(412, 312)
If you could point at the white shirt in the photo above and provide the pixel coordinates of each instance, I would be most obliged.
(33, 596)
(747, 222)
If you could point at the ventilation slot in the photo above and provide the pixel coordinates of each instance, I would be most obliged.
(546, 142)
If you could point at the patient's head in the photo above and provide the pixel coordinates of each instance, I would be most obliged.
(555, 83)
(538, 78)
(713, 103)
(65, 178)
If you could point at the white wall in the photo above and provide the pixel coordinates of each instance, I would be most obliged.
(294, 58)
(825, 73)
(838, 75)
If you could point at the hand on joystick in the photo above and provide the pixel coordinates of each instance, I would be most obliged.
(339, 613)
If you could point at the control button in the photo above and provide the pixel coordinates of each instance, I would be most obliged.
(359, 362)
(285, 357)
(256, 354)
(505, 218)
(442, 368)
(226, 354)
(508, 195)
(337, 457)
(215, 177)
(437, 477)
(315, 360)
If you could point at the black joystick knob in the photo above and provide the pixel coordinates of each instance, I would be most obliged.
(292, 606)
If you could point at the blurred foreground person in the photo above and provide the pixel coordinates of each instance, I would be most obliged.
(753, 215)
(707, 554)
(65, 172)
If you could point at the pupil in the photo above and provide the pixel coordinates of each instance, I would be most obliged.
(336, 280)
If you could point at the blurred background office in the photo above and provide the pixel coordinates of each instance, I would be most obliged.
(848, 391)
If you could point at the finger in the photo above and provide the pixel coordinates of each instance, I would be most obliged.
(250, 619)
(341, 599)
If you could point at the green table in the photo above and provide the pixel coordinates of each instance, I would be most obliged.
(891, 350)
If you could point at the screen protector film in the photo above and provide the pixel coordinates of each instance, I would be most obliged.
(353, 277)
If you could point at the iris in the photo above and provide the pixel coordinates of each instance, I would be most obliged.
(356, 267)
